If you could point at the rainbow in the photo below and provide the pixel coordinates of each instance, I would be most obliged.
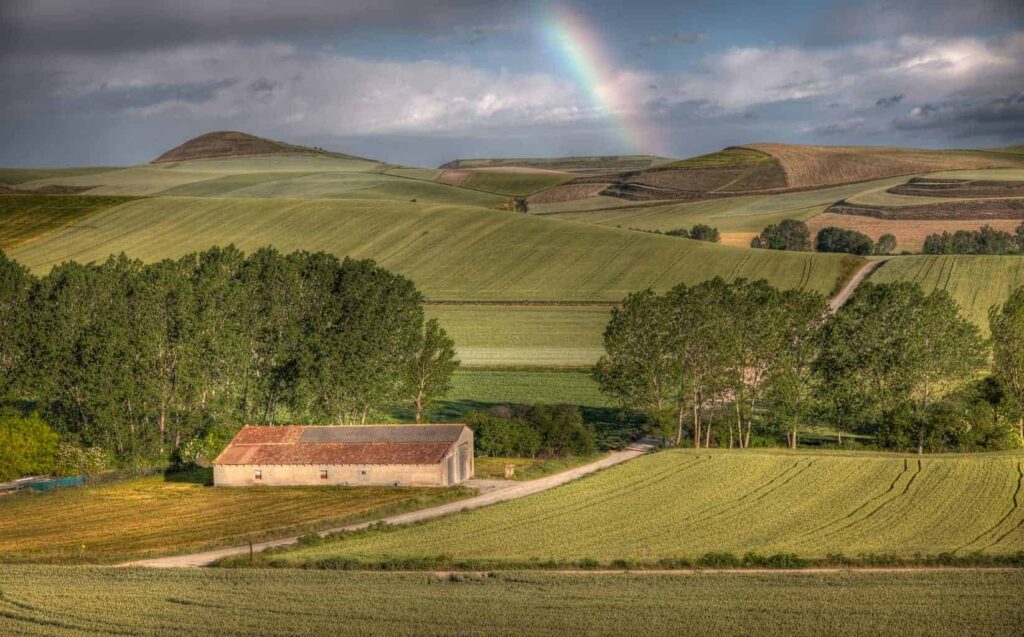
(590, 63)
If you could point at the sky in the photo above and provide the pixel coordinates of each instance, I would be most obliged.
(419, 82)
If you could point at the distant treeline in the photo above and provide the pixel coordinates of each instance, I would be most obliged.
(792, 234)
(152, 360)
(987, 240)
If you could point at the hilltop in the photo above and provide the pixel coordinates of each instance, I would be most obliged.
(226, 144)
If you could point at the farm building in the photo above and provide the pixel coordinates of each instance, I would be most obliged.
(358, 455)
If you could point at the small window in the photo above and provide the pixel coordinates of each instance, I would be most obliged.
(259, 474)
(323, 474)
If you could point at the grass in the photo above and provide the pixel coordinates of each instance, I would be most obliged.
(41, 600)
(682, 504)
(517, 184)
(526, 386)
(976, 282)
(524, 335)
(528, 468)
(732, 214)
(27, 217)
(159, 515)
(450, 252)
(14, 176)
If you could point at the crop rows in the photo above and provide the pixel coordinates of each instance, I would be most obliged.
(682, 504)
(37, 600)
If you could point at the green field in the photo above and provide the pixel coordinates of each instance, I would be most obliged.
(450, 252)
(732, 214)
(14, 176)
(26, 217)
(524, 335)
(682, 504)
(525, 386)
(39, 600)
(159, 515)
(976, 282)
(517, 184)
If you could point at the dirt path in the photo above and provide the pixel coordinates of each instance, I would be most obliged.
(493, 492)
(844, 294)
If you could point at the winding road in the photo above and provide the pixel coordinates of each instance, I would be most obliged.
(493, 491)
(845, 292)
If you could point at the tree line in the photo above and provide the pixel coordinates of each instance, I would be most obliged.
(150, 360)
(987, 240)
(726, 363)
(794, 235)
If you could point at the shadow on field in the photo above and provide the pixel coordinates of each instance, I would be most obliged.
(194, 475)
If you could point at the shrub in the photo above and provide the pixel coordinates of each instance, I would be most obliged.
(495, 436)
(27, 445)
(788, 234)
(73, 461)
(886, 244)
(833, 239)
(562, 430)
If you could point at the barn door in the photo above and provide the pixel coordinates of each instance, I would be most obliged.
(450, 465)
(463, 461)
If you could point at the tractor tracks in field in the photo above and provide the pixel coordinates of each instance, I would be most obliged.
(1015, 507)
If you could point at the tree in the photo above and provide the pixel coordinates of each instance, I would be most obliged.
(1006, 323)
(430, 371)
(788, 234)
(886, 244)
(834, 239)
(15, 286)
(892, 352)
(703, 232)
(27, 446)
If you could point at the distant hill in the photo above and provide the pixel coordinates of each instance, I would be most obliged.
(224, 144)
(592, 164)
(773, 168)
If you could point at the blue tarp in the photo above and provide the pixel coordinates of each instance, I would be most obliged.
(57, 483)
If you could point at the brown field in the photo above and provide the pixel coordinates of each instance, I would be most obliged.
(961, 209)
(960, 188)
(910, 234)
(809, 166)
(739, 239)
(453, 177)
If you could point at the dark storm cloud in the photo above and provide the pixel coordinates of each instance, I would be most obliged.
(886, 102)
(1002, 117)
(130, 25)
(113, 99)
(851, 21)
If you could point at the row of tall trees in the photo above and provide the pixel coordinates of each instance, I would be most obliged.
(894, 363)
(140, 358)
(675, 355)
(986, 240)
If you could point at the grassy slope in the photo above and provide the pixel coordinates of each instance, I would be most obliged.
(733, 214)
(14, 176)
(158, 515)
(41, 600)
(524, 335)
(681, 504)
(976, 282)
(27, 217)
(452, 253)
(517, 184)
(484, 388)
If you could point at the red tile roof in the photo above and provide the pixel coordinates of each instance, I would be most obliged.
(386, 444)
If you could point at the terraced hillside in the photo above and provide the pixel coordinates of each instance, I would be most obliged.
(682, 504)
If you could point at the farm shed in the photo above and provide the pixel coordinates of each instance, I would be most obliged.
(358, 455)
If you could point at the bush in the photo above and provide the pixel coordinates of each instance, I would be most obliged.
(886, 244)
(562, 430)
(27, 446)
(788, 234)
(75, 461)
(495, 436)
(833, 239)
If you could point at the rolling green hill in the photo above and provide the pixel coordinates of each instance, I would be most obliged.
(451, 252)
(682, 504)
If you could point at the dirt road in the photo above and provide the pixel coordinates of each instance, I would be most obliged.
(493, 492)
(844, 294)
